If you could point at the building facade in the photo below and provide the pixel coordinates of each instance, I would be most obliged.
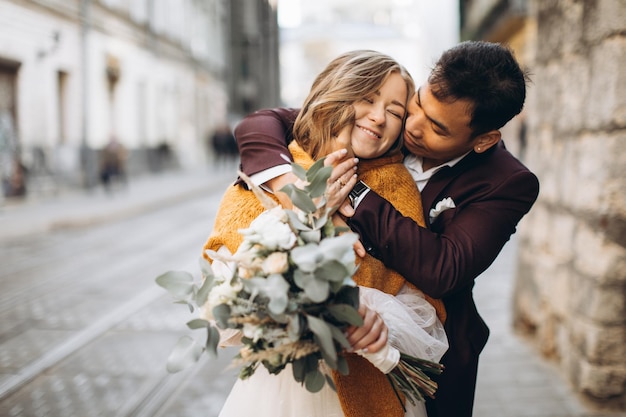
(414, 32)
(155, 76)
(570, 295)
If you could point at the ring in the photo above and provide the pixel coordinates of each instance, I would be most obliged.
(342, 184)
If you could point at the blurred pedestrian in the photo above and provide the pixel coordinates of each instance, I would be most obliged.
(224, 145)
(113, 164)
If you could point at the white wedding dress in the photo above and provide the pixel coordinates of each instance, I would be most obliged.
(413, 329)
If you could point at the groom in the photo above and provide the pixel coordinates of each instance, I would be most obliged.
(474, 193)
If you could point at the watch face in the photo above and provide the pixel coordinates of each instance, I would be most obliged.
(358, 188)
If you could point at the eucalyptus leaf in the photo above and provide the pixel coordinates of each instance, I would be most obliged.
(203, 292)
(294, 328)
(178, 283)
(302, 200)
(306, 257)
(221, 313)
(339, 336)
(197, 324)
(323, 336)
(311, 236)
(314, 381)
(187, 303)
(342, 365)
(315, 168)
(317, 184)
(298, 171)
(316, 290)
(212, 341)
(331, 271)
(348, 295)
(321, 222)
(346, 314)
(205, 267)
(298, 368)
(295, 221)
(186, 352)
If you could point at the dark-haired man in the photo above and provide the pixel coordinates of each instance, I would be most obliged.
(474, 193)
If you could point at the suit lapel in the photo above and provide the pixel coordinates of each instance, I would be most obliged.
(440, 180)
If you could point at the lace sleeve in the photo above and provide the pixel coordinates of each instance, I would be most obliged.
(413, 325)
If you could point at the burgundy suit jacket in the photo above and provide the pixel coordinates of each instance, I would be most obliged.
(492, 191)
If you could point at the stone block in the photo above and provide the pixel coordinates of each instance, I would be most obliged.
(600, 345)
(559, 26)
(558, 291)
(600, 259)
(574, 78)
(547, 88)
(602, 304)
(603, 18)
(602, 381)
(606, 101)
(590, 181)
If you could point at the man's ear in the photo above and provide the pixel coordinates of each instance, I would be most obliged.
(486, 140)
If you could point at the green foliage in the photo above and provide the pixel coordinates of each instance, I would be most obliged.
(305, 293)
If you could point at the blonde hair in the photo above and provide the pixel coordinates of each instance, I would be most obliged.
(328, 108)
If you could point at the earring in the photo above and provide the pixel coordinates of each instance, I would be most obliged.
(478, 149)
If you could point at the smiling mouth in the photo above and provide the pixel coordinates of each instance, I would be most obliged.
(411, 140)
(370, 132)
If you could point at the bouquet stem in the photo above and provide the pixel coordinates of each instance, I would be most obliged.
(410, 378)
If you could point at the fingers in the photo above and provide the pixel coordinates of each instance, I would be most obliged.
(343, 170)
(372, 335)
(359, 249)
(334, 158)
(337, 191)
(346, 209)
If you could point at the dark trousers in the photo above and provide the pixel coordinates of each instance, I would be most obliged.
(457, 384)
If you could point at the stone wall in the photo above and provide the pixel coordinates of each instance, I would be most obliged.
(570, 293)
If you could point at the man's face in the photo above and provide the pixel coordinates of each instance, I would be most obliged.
(435, 130)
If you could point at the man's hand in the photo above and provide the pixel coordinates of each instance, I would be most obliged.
(338, 221)
(372, 336)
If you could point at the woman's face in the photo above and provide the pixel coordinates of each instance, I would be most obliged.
(378, 118)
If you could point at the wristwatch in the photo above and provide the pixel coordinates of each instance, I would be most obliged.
(357, 193)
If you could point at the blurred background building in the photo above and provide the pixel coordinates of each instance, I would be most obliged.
(414, 32)
(155, 76)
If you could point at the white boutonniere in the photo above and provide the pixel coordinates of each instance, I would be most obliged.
(440, 207)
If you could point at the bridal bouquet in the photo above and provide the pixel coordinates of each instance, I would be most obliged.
(288, 291)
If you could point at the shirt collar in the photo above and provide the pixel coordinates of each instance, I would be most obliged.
(421, 177)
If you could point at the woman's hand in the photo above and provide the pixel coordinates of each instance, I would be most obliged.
(342, 179)
(372, 336)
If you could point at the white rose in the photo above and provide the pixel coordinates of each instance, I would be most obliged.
(252, 331)
(270, 231)
(245, 273)
(223, 293)
(276, 263)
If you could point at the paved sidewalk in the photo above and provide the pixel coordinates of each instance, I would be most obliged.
(76, 208)
(513, 380)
